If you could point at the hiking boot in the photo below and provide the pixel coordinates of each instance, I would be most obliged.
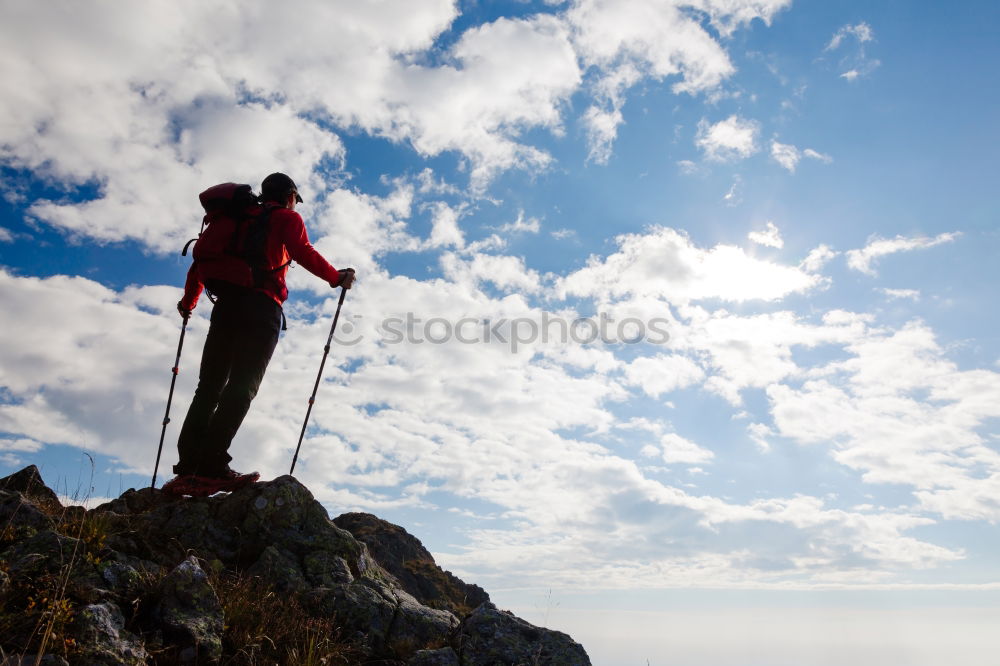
(182, 484)
(203, 486)
(231, 476)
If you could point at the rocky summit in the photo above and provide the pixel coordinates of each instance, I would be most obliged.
(257, 576)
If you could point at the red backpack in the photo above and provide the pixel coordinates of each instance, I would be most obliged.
(232, 246)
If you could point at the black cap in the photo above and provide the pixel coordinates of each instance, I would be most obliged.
(280, 185)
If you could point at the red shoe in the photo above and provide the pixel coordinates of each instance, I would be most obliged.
(203, 486)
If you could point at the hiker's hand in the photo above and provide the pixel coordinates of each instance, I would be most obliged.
(185, 312)
(346, 278)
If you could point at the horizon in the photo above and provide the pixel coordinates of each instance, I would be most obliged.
(667, 310)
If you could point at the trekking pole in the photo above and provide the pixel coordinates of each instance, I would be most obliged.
(170, 397)
(319, 375)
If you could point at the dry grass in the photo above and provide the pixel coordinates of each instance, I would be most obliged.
(264, 627)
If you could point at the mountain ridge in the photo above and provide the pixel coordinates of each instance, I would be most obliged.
(260, 575)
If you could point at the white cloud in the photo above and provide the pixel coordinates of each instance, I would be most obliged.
(728, 140)
(467, 421)
(666, 264)
(898, 294)
(662, 373)
(817, 258)
(6, 236)
(521, 225)
(676, 449)
(602, 129)
(151, 104)
(759, 433)
(788, 156)
(857, 63)
(445, 231)
(505, 272)
(734, 196)
(21, 444)
(862, 260)
(628, 40)
(771, 237)
(899, 412)
(688, 167)
(812, 154)
(862, 32)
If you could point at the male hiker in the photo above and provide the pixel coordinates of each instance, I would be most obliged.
(241, 259)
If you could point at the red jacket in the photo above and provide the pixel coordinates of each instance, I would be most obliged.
(286, 240)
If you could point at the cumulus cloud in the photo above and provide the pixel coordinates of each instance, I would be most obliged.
(728, 140)
(770, 237)
(817, 258)
(662, 373)
(863, 260)
(899, 412)
(468, 421)
(625, 41)
(145, 105)
(665, 263)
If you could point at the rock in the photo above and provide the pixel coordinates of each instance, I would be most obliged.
(20, 515)
(136, 501)
(406, 612)
(324, 568)
(44, 553)
(416, 626)
(102, 639)
(34, 660)
(491, 636)
(402, 555)
(441, 657)
(364, 611)
(127, 577)
(190, 613)
(280, 570)
(29, 483)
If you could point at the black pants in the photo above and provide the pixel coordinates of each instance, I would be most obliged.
(241, 338)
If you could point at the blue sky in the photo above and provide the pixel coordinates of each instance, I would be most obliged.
(801, 194)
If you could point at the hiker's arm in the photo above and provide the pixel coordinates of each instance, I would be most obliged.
(302, 251)
(192, 290)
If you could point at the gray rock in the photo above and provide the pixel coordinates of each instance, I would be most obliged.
(126, 577)
(362, 610)
(417, 626)
(324, 568)
(401, 554)
(45, 552)
(441, 657)
(102, 638)
(21, 515)
(190, 613)
(280, 570)
(275, 531)
(491, 636)
(29, 483)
